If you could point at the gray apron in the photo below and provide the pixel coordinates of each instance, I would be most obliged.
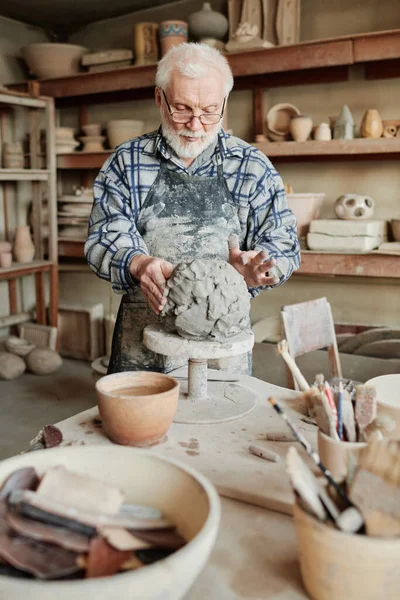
(184, 217)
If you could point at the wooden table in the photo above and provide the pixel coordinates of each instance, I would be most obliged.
(255, 555)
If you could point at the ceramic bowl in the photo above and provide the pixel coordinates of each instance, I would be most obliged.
(278, 118)
(388, 399)
(182, 494)
(338, 565)
(92, 129)
(122, 130)
(334, 454)
(65, 134)
(66, 146)
(137, 407)
(18, 346)
(395, 226)
(47, 60)
(306, 208)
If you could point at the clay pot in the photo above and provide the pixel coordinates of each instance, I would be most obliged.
(300, 127)
(185, 496)
(47, 60)
(24, 249)
(322, 132)
(137, 407)
(333, 454)
(145, 43)
(207, 23)
(92, 129)
(5, 260)
(13, 156)
(371, 124)
(278, 119)
(93, 143)
(337, 565)
(65, 133)
(387, 393)
(172, 33)
(122, 130)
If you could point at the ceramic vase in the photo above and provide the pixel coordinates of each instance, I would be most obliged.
(172, 33)
(322, 132)
(5, 260)
(371, 124)
(24, 249)
(207, 23)
(145, 43)
(300, 127)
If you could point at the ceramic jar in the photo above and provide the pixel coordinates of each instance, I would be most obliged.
(13, 156)
(145, 43)
(24, 249)
(207, 23)
(172, 33)
(300, 127)
(5, 260)
(371, 124)
(322, 132)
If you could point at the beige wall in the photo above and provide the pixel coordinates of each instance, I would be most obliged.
(14, 35)
(354, 300)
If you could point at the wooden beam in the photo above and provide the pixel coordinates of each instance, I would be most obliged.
(381, 46)
(354, 265)
(290, 78)
(360, 147)
(82, 160)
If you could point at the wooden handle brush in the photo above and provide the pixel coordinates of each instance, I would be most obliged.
(283, 350)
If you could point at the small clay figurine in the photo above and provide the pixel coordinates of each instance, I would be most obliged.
(344, 125)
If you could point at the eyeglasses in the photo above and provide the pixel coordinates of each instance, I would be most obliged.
(204, 118)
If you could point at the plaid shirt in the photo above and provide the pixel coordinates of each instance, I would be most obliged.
(126, 177)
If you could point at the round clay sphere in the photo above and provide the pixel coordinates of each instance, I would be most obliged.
(11, 366)
(207, 299)
(43, 362)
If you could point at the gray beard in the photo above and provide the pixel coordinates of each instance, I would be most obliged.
(192, 150)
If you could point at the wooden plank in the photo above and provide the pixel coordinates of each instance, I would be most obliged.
(40, 298)
(386, 69)
(381, 46)
(22, 99)
(354, 265)
(19, 269)
(82, 160)
(328, 149)
(24, 174)
(289, 78)
(11, 320)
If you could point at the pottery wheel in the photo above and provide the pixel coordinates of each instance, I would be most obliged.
(202, 401)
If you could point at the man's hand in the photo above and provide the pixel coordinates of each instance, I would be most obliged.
(152, 273)
(253, 266)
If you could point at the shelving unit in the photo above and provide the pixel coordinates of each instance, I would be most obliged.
(46, 254)
(312, 62)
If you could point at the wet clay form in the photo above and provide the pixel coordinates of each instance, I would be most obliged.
(206, 299)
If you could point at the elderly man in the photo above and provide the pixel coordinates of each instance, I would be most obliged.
(178, 194)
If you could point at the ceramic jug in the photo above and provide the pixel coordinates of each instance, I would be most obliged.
(207, 23)
(24, 249)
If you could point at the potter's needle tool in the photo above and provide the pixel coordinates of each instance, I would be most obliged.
(310, 451)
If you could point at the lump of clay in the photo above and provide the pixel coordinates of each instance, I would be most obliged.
(43, 362)
(11, 366)
(206, 299)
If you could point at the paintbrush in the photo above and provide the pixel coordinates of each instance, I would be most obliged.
(340, 411)
(283, 350)
(310, 451)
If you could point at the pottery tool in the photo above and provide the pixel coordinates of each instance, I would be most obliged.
(349, 424)
(283, 350)
(375, 488)
(365, 408)
(340, 411)
(280, 437)
(310, 451)
(331, 401)
(265, 454)
(319, 381)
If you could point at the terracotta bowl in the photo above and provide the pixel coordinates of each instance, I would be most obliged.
(47, 60)
(388, 398)
(137, 407)
(306, 208)
(337, 565)
(333, 454)
(395, 225)
(278, 118)
(182, 494)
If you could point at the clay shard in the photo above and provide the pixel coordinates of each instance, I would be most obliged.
(79, 492)
(206, 299)
(22, 479)
(52, 436)
(122, 539)
(162, 538)
(103, 559)
(60, 536)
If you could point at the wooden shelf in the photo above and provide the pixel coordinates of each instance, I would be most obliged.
(82, 160)
(357, 149)
(24, 175)
(352, 265)
(71, 248)
(311, 61)
(18, 269)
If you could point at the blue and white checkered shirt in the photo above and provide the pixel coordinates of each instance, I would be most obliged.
(126, 177)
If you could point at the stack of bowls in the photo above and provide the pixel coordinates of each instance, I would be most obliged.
(92, 140)
(278, 121)
(65, 141)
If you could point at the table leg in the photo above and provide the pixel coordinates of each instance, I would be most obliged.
(40, 298)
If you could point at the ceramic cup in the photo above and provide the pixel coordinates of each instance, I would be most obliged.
(300, 127)
(334, 454)
(172, 33)
(145, 43)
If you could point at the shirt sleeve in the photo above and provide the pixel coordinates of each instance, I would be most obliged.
(113, 239)
(271, 224)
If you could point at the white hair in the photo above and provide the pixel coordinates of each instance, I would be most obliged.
(194, 61)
